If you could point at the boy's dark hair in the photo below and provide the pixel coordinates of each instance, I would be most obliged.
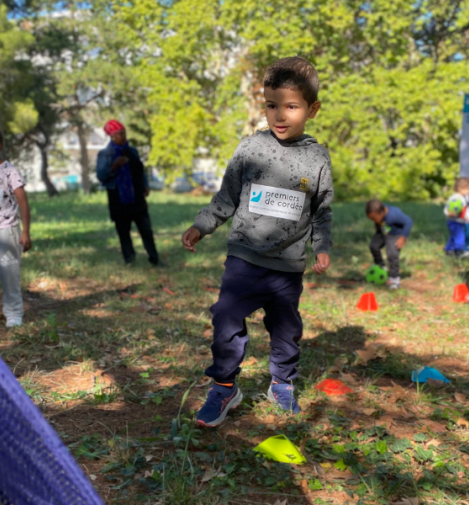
(294, 73)
(374, 206)
(461, 183)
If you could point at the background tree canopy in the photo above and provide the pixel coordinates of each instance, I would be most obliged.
(186, 76)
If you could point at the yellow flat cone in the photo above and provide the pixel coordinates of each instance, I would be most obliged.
(279, 448)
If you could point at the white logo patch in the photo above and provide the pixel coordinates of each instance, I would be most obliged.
(276, 202)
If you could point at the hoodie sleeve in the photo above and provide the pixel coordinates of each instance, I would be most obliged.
(321, 234)
(226, 201)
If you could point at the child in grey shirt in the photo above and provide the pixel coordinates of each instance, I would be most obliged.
(278, 189)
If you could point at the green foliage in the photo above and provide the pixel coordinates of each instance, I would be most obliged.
(392, 77)
(186, 77)
(14, 110)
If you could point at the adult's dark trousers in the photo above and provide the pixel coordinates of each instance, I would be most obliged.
(246, 288)
(381, 240)
(457, 236)
(143, 222)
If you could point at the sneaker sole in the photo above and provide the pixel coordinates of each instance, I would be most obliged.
(271, 397)
(232, 405)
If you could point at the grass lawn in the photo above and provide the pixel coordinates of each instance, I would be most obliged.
(114, 358)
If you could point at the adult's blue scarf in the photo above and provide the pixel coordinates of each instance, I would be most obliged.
(124, 181)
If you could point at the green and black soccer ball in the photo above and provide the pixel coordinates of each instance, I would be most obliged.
(376, 275)
(455, 207)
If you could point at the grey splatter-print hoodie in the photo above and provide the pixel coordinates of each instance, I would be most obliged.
(279, 193)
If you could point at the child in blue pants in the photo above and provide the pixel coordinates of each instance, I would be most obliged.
(278, 188)
(455, 212)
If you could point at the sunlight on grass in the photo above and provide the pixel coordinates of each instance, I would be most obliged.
(108, 354)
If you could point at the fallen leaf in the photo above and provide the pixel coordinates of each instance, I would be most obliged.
(237, 424)
(407, 501)
(369, 412)
(150, 331)
(414, 409)
(306, 491)
(205, 381)
(346, 377)
(168, 306)
(434, 442)
(387, 421)
(399, 390)
(210, 474)
(435, 383)
(334, 369)
(463, 422)
(167, 290)
(250, 361)
(92, 476)
(459, 397)
(366, 356)
(35, 360)
(270, 419)
(149, 457)
(271, 427)
(434, 426)
(148, 473)
(207, 333)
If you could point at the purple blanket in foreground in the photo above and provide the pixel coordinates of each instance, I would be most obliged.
(35, 466)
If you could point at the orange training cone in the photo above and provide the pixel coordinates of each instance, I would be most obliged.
(333, 387)
(461, 292)
(367, 302)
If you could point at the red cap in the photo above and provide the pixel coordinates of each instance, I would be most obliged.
(113, 126)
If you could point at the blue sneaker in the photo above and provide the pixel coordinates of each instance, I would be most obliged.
(220, 400)
(283, 396)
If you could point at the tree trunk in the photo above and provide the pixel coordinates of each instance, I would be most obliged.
(51, 189)
(84, 159)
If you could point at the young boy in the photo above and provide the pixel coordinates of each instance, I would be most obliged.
(456, 215)
(12, 240)
(392, 229)
(278, 187)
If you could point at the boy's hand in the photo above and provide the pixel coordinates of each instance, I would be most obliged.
(400, 242)
(322, 263)
(190, 238)
(25, 241)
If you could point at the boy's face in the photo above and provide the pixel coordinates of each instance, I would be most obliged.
(287, 112)
(376, 217)
(463, 192)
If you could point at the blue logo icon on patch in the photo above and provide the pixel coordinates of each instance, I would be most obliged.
(256, 198)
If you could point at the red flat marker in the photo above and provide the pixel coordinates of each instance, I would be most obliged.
(333, 387)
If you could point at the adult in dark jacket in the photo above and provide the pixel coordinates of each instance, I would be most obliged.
(121, 172)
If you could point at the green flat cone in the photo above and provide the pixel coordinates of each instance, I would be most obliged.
(280, 449)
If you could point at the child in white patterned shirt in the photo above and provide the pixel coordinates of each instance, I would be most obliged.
(13, 241)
